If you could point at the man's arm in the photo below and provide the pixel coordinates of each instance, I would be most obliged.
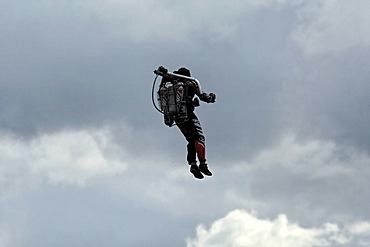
(168, 76)
(203, 96)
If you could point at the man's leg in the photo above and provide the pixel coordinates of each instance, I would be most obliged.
(191, 156)
(199, 138)
(200, 147)
(187, 129)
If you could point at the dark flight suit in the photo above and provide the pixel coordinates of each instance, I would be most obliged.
(192, 129)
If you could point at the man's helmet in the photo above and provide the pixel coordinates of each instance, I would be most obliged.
(183, 71)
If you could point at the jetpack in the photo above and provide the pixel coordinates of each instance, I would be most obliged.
(172, 96)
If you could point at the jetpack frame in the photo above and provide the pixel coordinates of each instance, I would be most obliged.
(172, 96)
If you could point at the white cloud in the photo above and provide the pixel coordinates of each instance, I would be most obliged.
(242, 229)
(70, 157)
(360, 228)
(315, 158)
(73, 157)
(333, 26)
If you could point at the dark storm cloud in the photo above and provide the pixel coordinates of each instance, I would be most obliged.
(72, 69)
(68, 69)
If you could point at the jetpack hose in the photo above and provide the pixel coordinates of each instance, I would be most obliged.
(155, 106)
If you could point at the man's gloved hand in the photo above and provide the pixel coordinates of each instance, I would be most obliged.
(209, 98)
(162, 69)
(213, 97)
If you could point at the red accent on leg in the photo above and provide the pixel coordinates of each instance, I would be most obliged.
(201, 151)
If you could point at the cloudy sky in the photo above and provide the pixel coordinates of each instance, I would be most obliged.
(85, 159)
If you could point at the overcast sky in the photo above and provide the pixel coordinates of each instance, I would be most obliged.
(85, 159)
